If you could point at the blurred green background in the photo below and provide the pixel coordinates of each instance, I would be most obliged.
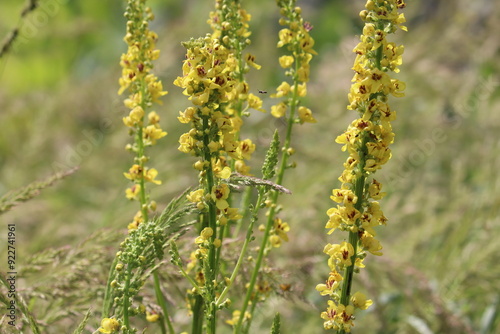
(440, 269)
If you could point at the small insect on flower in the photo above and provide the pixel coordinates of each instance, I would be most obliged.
(262, 92)
(285, 287)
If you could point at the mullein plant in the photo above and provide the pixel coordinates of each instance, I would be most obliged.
(214, 81)
(299, 44)
(144, 243)
(207, 80)
(367, 141)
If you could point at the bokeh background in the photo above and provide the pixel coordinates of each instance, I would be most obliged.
(440, 269)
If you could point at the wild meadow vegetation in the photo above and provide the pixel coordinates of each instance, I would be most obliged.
(168, 166)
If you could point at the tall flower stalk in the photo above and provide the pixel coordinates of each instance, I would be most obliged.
(299, 44)
(214, 79)
(230, 25)
(367, 141)
(145, 90)
(208, 82)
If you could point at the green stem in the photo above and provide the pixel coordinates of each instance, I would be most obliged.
(359, 188)
(161, 302)
(274, 200)
(198, 315)
(244, 248)
(140, 154)
(246, 328)
(256, 269)
(126, 299)
(211, 271)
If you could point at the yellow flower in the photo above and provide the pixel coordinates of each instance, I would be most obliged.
(330, 315)
(302, 89)
(283, 89)
(152, 317)
(187, 143)
(345, 196)
(187, 116)
(341, 253)
(135, 173)
(306, 43)
(213, 146)
(241, 167)
(285, 36)
(135, 117)
(334, 221)
(232, 213)
(217, 243)
(150, 176)
(371, 244)
(275, 241)
(397, 88)
(255, 102)
(345, 316)
(205, 235)
(278, 110)
(230, 146)
(109, 325)
(331, 284)
(151, 134)
(132, 192)
(155, 88)
(245, 149)
(220, 194)
(305, 115)
(196, 196)
(375, 190)
(153, 118)
(303, 72)
(359, 301)
(220, 169)
(138, 219)
(250, 59)
(286, 61)
(281, 228)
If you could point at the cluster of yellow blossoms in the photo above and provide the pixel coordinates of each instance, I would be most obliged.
(144, 89)
(208, 82)
(213, 79)
(367, 141)
(229, 23)
(300, 44)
